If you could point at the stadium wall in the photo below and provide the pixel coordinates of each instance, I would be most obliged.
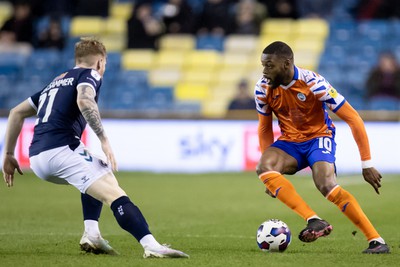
(213, 146)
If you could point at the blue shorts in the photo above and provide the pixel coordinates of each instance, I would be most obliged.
(309, 152)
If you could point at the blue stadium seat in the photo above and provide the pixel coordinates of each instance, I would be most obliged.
(373, 29)
(384, 103)
(113, 61)
(42, 65)
(187, 108)
(128, 92)
(213, 42)
(161, 98)
(11, 64)
(43, 24)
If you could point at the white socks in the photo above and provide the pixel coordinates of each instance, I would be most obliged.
(148, 241)
(92, 228)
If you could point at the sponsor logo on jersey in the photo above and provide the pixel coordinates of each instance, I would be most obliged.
(301, 97)
(332, 92)
(95, 75)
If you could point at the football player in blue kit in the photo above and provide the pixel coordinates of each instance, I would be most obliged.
(63, 108)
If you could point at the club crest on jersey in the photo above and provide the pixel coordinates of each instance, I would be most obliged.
(301, 97)
(103, 164)
(95, 75)
(332, 92)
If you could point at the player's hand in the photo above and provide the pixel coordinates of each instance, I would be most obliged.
(9, 166)
(106, 147)
(373, 177)
(269, 193)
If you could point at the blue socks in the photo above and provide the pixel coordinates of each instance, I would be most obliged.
(130, 218)
(91, 207)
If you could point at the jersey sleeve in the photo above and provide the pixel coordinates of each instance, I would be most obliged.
(260, 95)
(91, 78)
(326, 93)
(34, 100)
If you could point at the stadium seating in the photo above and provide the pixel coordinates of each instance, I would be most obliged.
(164, 76)
(177, 42)
(85, 25)
(207, 42)
(384, 103)
(188, 71)
(170, 58)
(138, 59)
(121, 10)
(185, 91)
(202, 59)
(241, 44)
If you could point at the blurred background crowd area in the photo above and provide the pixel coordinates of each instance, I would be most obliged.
(201, 58)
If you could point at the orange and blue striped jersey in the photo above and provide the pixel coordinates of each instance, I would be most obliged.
(300, 107)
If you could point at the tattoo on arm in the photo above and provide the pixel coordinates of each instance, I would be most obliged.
(90, 110)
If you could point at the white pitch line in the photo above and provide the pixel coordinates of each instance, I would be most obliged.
(77, 234)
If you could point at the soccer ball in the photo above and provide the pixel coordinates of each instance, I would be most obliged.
(273, 235)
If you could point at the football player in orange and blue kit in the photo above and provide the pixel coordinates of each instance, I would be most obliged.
(299, 98)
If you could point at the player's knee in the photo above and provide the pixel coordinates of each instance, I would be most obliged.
(264, 166)
(325, 187)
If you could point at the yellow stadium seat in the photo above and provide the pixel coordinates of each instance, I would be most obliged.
(240, 43)
(82, 25)
(137, 59)
(214, 108)
(223, 92)
(121, 10)
(198, 75)
(114, 43)
(313, 45)
(202, 59)
(235, 60)
(229, 75)
(115, 26)
(252, 76)
(307, 59)
(6, 10)
(312, 27)
(277, 26)
(191, 91)
(169, 58)
(164, 77)
(179, 42)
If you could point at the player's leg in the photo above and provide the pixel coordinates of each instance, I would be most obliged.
(324, 176)
(91, 209)
(273, 163)
(64, 166)
(129, 216)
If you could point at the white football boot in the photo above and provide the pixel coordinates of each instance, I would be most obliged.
(96, 245)
(164, 251)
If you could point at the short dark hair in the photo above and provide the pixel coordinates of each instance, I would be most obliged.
(279, 48)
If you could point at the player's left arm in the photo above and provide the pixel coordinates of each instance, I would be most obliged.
(16, 120)
(90, 111)
(347, 113)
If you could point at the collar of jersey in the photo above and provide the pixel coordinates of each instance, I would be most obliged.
(295, 78)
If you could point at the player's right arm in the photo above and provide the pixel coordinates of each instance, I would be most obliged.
(16, 120)
(353, 119)
(90, 111)
(265, 131)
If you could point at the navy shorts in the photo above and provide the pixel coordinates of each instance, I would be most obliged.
(309, 152)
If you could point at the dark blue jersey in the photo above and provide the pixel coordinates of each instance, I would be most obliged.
(60, 121)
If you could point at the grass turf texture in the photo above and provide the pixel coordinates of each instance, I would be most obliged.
(212, 217)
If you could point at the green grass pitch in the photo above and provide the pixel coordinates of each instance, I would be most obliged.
(212, 217)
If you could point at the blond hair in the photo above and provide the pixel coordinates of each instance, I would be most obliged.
(88, 47)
